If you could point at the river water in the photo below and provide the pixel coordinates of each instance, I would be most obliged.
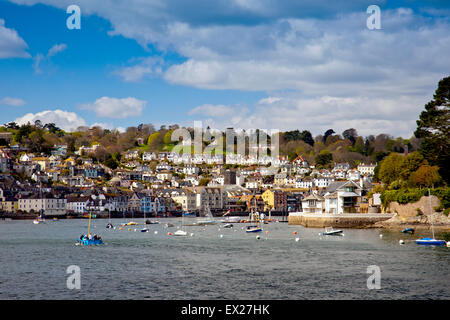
(216, 263)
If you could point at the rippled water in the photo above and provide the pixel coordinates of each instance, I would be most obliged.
(135, 265)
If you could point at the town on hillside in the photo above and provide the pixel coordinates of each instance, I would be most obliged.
(71, 184)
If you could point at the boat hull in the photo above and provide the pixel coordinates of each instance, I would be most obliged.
(333, 233)
(253, 230)
(89, 242)
(430, 242)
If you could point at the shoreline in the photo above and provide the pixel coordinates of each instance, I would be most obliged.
(361, 221)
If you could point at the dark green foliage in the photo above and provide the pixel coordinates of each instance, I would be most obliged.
(404, 196)
(433, 127)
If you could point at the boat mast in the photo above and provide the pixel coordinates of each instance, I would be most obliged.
(431, 212)
(89, 227)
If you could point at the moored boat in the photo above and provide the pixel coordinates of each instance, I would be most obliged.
(329, 231)
(88, 239)
(180, 233)
(430, 241)
(253, 229)
(408, 230)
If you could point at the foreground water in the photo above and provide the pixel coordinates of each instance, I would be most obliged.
(215, 263)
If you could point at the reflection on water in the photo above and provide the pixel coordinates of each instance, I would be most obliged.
(215, 263)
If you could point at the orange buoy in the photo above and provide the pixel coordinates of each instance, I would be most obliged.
(295, 232)
(120, 228)
(169, 233)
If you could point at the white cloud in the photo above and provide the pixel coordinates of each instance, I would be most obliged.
(212, 110)
(55, 49)
(39, 58)
(317, 114)
(339, 71)
(65, 120)
(16, 102)
(11, 44)
(135, 73)
(116, 108)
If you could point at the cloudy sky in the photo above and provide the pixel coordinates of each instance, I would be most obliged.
(267, 64)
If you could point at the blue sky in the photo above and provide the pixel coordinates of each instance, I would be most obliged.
(242, 63)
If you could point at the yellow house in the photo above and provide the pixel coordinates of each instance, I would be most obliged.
(9, 206)
(70, 161)
(42, 162)
(275, 199)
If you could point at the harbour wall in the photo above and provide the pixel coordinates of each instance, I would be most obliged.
(349, 220)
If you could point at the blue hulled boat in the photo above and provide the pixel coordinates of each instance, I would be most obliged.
(89, 242)
(430, 242)
(408, 230)
(88, 239)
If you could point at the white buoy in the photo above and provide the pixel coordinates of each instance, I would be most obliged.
(297, 239)
(381, 236)
(156, 232)
(401, 241)
(192, 234)
(258, 237)
(221, 236)
(448, 244)
(134, 230)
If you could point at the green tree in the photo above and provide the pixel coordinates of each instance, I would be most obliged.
(327, 133)
(433, 127)
(426, 176)
(410, 164)
(324, 157)
(391, 168)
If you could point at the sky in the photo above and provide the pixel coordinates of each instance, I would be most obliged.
(308, 65)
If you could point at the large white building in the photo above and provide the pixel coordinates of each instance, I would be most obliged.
(366, 169)
(49, 204)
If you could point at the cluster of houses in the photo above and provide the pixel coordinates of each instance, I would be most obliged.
(165, 183)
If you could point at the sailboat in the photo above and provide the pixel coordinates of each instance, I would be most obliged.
(209, 215)
(109, 225)
(430, 241)
(181, 232)
(257, 227)
(88, 239)
(41, 217)
(144, 229)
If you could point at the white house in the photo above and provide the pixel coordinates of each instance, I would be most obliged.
(366, 169)
(313, 203)
(148, 156)
(343, 197)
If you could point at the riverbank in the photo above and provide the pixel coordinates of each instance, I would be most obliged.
(421, 222)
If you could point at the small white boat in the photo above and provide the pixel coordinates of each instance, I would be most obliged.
(329, 231)
(180, 233)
